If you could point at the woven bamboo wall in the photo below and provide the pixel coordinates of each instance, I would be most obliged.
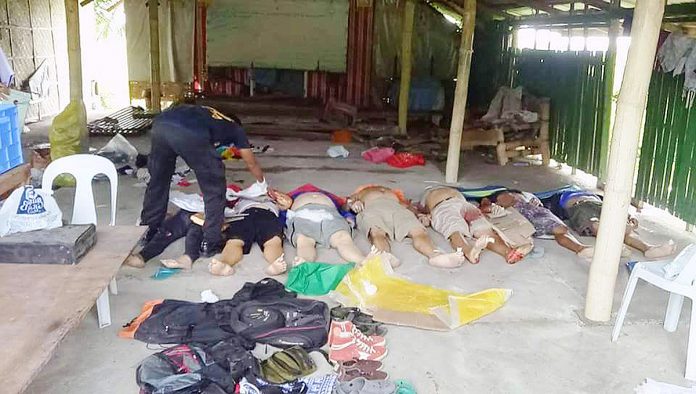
(33, 32)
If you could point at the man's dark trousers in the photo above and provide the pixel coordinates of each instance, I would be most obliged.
(168, 142)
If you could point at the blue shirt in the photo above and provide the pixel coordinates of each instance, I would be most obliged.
(206, 121)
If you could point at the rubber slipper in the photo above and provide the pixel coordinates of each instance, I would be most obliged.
(364, 386)
(351, 374)
(404, 387)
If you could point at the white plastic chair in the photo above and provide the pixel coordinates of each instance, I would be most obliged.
(679, 287)
(84, 168)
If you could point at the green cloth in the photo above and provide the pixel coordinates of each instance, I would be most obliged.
(316, 278)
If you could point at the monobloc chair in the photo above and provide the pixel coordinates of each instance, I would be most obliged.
(677, 277)
(84, 168)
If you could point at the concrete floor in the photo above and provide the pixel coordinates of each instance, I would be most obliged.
(534, 344)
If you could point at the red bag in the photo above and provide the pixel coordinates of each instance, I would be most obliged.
(405, 160)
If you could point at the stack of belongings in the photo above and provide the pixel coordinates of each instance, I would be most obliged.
(214, 344)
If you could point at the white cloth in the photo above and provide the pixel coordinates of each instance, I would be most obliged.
(6, 72)
(187, 202)
(262, 203)
(258, 189)
(314, 215)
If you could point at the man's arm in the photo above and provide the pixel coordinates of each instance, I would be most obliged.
(252, 164)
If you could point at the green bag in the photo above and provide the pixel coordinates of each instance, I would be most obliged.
(316, 279)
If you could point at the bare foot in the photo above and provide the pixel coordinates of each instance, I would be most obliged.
(277, 267)
(517, 255)
(474, 253)
(626, 252)
(297, 261)
(391, 259)
(184, 262)
(219, 268)
(586, 254)
(446, 260)
(135, 261)
(659, 251)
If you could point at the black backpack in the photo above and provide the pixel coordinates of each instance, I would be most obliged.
(283, 323)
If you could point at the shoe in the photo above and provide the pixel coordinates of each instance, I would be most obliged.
(362, 321)
(343, 333)
(367, 369)
(209, 249)
(357, 350)
(364, 386)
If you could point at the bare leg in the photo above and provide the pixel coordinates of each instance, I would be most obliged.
(343, 242)
(230, 256)
(423, 244)
(233, 252)
(650, 251)
(135, 260)
(306, 249)
(625, 252)
(380, 240)
(273, 252)
(498, 246)
(568, 241)
(183, 262)
(471, 252)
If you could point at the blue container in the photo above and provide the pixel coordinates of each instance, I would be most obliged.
(10, 139)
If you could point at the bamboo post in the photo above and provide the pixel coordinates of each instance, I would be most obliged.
(72, 19)
(406, 63)
(609, 70)
(622, 158)
(155, 82)
(461, 91)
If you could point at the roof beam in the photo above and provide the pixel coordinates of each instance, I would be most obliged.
(539, 5)
(601, 4)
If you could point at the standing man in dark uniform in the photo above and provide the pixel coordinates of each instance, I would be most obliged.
(192, 132)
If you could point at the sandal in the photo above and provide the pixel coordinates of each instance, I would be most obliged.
(364, 386)
(287, 365)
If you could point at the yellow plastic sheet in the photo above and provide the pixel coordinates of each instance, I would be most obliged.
(376, 289)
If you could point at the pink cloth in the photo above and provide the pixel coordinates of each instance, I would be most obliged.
(378, 155)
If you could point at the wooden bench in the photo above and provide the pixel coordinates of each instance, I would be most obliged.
(505, 149)
(40, 304)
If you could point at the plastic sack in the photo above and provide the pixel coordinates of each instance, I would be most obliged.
(405, 160)
(29, 209)
(377, 154)
(336, 151)
(316, 279)
(68, 136)
(119, 151)
(377, 290)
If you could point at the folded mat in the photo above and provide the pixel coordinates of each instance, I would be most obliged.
(376, 289)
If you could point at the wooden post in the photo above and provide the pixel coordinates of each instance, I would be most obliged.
(72, 19)
(622, 158)
(461, 91)
(609, 71)
(155, 82)
(406, 63)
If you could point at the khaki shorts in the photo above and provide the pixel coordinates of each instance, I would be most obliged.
(448, 218)
(389, 216)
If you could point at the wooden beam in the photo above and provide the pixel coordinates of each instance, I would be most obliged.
(406, 63)
(461, 91)
(155, 82)
(539, 5)
(72, 19)
(622, 158)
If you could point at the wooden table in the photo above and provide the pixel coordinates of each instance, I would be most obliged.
(40, 304)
